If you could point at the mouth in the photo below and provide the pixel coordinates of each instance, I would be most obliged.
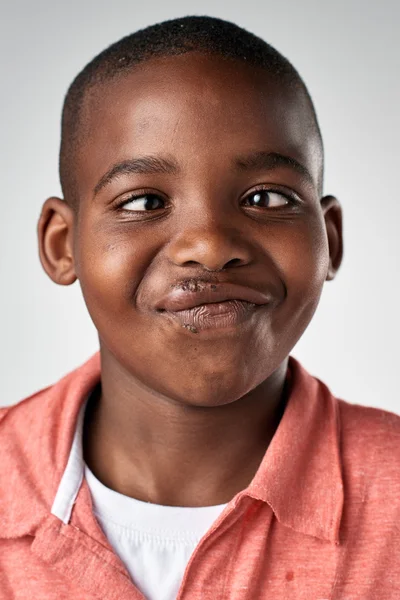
(214, 315)
(198, 305)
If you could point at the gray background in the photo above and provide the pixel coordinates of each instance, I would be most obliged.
(348, 54)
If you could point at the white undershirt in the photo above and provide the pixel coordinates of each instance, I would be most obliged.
(154, 542)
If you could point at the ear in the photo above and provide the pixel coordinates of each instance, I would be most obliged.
(55, 237)
(333, 217)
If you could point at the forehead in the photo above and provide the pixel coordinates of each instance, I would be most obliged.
(201, 110)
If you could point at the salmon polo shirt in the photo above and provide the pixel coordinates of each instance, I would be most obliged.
(319, 521)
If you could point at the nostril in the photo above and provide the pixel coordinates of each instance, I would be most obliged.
(191, 263)
(234, 262)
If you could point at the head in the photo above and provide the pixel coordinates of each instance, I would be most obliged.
(191, 158)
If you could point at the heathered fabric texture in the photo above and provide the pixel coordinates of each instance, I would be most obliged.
(319, 521)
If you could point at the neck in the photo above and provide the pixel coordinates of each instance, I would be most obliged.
(157, 450)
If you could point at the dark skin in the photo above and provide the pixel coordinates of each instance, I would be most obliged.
(184, 417)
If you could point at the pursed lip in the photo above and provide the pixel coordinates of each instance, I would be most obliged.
(181, 298)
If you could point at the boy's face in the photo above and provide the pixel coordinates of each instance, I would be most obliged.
(195, 136)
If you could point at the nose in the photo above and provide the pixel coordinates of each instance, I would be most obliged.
(213, 246)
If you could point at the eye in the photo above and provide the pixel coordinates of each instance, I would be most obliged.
(267, 199)
(145, 202)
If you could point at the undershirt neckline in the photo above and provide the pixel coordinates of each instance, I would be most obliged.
(176, 523)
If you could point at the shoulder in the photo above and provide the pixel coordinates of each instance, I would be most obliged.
(20, 419)
(23, 406)
(3, 412)
(370, 448)
(369, 427)
(48, 406)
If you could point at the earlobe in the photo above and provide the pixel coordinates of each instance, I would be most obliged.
(333, 217)
(55, 239)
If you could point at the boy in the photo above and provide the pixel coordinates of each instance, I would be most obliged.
(192, 457)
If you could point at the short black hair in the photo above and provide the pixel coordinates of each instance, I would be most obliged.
(203, 34)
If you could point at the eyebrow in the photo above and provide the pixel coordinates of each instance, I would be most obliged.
(268, 161)
(144, 165)
(153, 165)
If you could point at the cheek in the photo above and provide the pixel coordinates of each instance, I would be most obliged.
(110, 273)
(304, 262)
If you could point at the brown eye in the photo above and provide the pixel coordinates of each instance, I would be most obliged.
(266, 199)
(146, 202)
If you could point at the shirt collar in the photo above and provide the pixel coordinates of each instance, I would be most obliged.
(299, 477)
(36, 439)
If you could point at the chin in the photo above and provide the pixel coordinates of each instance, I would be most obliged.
(211, 390)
